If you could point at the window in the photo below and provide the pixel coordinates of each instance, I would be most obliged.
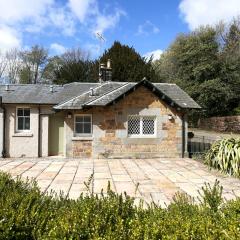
(83, 124)
(142, 126)
(23, 119)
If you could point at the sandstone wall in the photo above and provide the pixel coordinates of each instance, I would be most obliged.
(221, 124)
(110, 138)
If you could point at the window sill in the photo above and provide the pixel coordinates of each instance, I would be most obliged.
(22, 134)
(82, 138)
(142, 137)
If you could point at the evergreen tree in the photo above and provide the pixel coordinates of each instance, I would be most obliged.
(72, 66)
(127, 64)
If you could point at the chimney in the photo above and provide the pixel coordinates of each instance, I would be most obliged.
(51, 88)
(91, 92)
(105, 72)
(7, 87)
(109, 63)
(101, 72)
(108, 73)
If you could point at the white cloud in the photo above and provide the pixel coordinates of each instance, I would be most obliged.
(203, 12)
(156, 54)
(58, 48)
(109, 21)
(147, 28)
(83, 8)
(89, 14)
(19, 10)
(9, 38)
(62, 19)
(20, 17)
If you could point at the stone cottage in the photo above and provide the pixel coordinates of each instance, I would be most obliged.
(99, 120)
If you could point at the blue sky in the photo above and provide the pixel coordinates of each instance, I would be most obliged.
(147, 25)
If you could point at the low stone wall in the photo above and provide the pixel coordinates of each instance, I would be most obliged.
(221, 124)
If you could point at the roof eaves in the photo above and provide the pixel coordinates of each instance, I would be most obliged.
(155, 89)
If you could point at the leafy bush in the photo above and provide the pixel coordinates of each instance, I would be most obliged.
(26, 213)
(225, 156)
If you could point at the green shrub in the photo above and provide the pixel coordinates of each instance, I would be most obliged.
(225, 156)
(26, 213)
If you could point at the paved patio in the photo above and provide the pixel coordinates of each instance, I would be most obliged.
(157, 179)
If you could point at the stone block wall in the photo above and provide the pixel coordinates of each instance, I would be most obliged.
(82, 148)
(221, 124)
(110, 138)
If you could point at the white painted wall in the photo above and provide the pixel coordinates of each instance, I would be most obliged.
(1, 131)
(25, 144)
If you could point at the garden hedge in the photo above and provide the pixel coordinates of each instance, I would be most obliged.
(26, 213)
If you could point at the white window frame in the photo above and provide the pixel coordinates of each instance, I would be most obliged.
(23, 130)
(82, 134)
(141, 135)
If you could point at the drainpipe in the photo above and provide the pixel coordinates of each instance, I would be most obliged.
(4, 153)
(183, 135)
(39, 131)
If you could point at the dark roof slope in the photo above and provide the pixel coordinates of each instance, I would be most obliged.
(177, 95)
(85, 98)
(41, 94)
(78, 95)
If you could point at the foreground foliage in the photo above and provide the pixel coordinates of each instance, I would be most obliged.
(26, 213)
(225, 156)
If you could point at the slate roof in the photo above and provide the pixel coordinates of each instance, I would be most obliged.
(78, 95)
(41, 94)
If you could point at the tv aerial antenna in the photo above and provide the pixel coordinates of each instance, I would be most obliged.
(102, 40)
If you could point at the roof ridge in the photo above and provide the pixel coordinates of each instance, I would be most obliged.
(166, 83)
(30, 84)
(106, 93)
(81, 83)
(71, 99)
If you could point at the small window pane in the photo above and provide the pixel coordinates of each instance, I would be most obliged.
(27, 123)
(79, 128)
(20, 112)
(87, 128)
(27, 112)
(20, 123)
(23, 119)
(79, 119)
(83, 124)
(87, 119)
(134, 125)
(148, 125)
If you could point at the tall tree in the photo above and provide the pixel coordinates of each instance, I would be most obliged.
(3, 64)
(72, 66)
(230, 60)
(34, 61)
(13, 66)
(127, 64)
(196, 62)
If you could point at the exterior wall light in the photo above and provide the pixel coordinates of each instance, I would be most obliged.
(69, 115)
(170, 117)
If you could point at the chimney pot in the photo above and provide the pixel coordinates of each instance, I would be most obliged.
(109, 63)
(91, 92)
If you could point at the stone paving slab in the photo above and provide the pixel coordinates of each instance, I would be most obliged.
(148, 179)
